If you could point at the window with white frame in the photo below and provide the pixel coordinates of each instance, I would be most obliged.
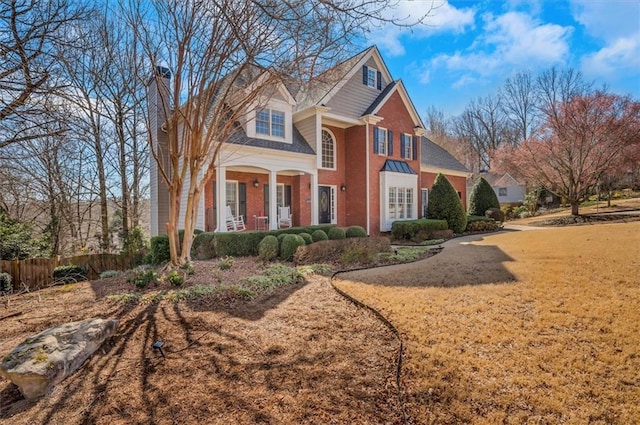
(407, 146)
(372, 75)
(280, 195)
(328, 150)
(270, 122)
(425, 202)
(232, 197)
(381, 139)
(400, 203)
(502, 191)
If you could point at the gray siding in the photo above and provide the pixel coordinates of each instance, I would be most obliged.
(354, 98)
(307, 127)
(159, 208)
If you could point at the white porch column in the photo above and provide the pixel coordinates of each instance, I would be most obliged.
(273, 200)
(221, 198)
(314, 198)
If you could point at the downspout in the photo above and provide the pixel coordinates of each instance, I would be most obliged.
(366, 149)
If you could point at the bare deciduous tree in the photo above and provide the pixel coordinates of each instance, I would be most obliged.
(226, 57)
(33, 38)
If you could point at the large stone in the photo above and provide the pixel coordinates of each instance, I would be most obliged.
(47, 358)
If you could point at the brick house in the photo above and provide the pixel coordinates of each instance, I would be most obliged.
(352, 151)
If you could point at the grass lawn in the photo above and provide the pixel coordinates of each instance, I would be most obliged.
(520, 327)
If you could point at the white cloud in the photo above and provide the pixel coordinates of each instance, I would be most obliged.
(441, 17)
(617, 25)
(513, 39)
(618, 57)
(608, 20)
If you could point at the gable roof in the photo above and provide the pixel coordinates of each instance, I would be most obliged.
(434, 156)
(329, 83)
(395, 86)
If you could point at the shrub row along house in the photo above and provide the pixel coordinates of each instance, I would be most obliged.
(352, 151)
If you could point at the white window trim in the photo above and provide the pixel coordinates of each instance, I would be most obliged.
(236, 200)
(334, 205)
(408, 137)
(272, 105)
(280, 190)
(375, 77)
(390, 179)
(335, 159)
(424, 199)
(384, 131)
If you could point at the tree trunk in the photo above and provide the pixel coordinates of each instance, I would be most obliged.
(574, 208)
(172, 230)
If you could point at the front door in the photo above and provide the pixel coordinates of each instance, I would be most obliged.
(324, 196)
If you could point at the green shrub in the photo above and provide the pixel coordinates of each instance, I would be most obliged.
(5, 283)
(238, 244)
(319, 235)
(268, 248)
(226, 263)
(417, 230)
(203, 247)
(495, 214)
(69, 273)
(159, 250)
(290, 244)
(355, 232)
(175, 278)
(336, 233)
(188, 268)
(332, 250)
(482, 198)
(142, 278)
(307, 237)
(445, 204)
(479, 223)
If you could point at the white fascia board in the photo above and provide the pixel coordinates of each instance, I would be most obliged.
(370, 119)
(268, 159)
(436, 170)
(309, 112)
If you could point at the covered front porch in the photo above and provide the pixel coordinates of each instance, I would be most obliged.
(255, 192)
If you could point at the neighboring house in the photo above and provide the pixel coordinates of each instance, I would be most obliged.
(351, 152)
(507, 189)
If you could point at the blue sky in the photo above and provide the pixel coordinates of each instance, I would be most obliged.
(468, 48)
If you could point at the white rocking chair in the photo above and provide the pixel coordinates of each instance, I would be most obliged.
(234, 224)
(284, 217)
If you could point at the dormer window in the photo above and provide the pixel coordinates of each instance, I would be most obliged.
(371, 77)
(270, 122)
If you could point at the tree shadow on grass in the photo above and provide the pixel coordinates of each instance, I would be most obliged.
(459, 265)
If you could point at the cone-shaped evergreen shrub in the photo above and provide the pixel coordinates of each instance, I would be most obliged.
(482, 198)
(445, 204)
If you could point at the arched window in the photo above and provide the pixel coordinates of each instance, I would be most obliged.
(328, 150)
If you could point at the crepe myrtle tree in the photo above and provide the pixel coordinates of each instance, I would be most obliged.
(227, 58)
(585, 138)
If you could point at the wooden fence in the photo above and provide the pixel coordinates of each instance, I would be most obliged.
(37, 273)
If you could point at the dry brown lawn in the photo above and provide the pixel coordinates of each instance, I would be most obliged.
(299, 355)
(520, 327)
